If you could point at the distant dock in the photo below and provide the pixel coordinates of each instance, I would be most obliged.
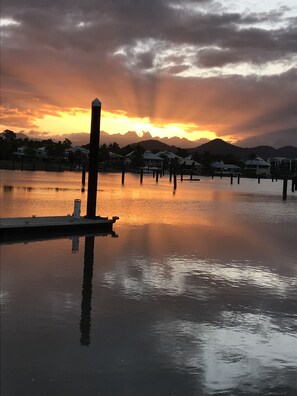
(27, 227)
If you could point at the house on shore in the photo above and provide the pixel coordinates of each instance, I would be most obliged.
(220, 168)
(152, 161)
(257, 167)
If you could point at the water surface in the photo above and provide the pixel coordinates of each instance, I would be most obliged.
(196, 296)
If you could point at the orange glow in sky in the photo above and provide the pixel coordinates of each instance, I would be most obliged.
(79, 121)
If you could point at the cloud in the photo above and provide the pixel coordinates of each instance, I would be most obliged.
(194, 62)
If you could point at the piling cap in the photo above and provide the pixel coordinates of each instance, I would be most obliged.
(96, 102)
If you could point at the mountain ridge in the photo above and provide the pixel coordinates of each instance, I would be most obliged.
(220, 147)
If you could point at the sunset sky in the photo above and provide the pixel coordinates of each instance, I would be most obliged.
(188, 69)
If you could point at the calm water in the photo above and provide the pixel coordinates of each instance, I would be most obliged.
(197, 294)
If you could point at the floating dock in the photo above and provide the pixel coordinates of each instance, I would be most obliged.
(24, 227)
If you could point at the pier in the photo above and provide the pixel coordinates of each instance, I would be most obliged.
(28, 227)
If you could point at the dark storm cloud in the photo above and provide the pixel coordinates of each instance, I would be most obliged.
(62, 53)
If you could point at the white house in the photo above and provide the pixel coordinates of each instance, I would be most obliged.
(257, 167)
(188, 162)
(219, 167)
(152, 160)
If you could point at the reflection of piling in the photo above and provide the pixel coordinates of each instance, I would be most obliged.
(86, 303)
(83, 174)
(238, 179)
(174, 182)
(259, 179)
(285, 186)
(93, 159)
(157, 176)
(170, 176)
(231, 179)
(141, 176)
(181, 176)
(294, 183)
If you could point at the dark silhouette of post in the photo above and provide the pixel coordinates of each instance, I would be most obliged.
(259, 179)
(141, 176)
(157, 176)
(238, 179)
(285, 186)
(231, 179)
(174, 182)
(86, 303)
(123, 175)
(93, 159)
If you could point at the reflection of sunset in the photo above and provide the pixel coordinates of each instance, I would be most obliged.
(79, 120)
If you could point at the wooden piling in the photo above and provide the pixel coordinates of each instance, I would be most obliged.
(123, 175)
(170, 176)
(259, 179)
(93, 159)
(174, 182)
(221, 175)
(238, 179)
(157, 176)
(191, 176)
(285, 186)
(231, 179)
(141, 176)
(181, 176)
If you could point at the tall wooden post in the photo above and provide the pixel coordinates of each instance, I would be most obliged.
(93, 159)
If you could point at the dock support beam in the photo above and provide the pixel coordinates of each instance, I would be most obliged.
(93, 160)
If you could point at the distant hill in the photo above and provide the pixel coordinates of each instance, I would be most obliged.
(220, 147)
(154, 144)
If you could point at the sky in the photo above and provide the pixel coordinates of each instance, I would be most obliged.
(185, 71)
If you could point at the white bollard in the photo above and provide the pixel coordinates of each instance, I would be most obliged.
(76, 212)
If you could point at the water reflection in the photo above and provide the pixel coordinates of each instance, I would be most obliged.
(86, 304)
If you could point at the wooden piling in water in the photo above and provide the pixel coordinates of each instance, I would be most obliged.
(93, 158)
(141, 176)
(259, 179)
(238, 179)
(285, 186)
(174, 182)
(157, 176)
(191, 176)
(170, 176)
(231, 179)
(123, 175)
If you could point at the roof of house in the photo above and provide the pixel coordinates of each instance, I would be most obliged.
(148, 155)
(222, 165)
(256, 161)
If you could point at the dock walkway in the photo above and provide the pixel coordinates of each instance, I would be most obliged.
(57, 225)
